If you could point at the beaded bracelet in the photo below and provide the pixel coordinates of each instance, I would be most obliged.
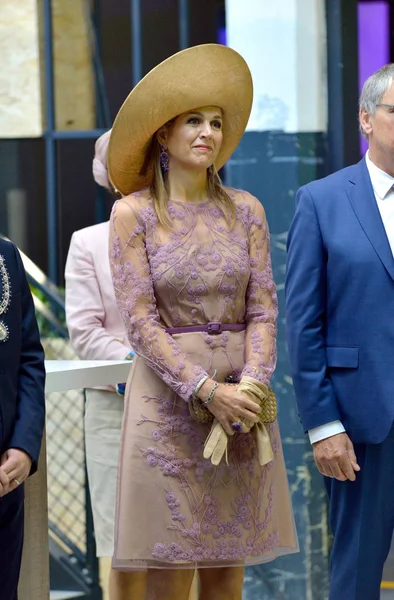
(258, 371)
(211, 394)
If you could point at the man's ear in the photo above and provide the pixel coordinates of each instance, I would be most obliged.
(365, 122)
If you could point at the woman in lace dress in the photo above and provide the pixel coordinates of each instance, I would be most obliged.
(192, 274)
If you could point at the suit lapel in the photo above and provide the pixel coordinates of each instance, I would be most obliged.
(362, 199)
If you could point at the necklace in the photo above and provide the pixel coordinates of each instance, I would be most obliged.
(5, 299)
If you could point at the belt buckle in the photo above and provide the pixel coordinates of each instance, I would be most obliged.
(214, 328)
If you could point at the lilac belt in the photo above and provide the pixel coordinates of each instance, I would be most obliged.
(213, 328)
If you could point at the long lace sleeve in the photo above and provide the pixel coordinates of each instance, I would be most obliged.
(261, 303)
(136, 301)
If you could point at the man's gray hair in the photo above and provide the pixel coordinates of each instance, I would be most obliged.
(374, 88)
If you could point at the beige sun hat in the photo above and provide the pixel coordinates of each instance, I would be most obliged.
(206, 75)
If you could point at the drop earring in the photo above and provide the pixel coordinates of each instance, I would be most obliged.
(163, 158)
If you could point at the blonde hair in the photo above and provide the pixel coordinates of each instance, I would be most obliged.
(159, 189)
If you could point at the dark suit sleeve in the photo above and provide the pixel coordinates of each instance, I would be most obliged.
(30, 417)
(305, 315)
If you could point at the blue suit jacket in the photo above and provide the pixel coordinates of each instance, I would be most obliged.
(22, 371)
(340, 306)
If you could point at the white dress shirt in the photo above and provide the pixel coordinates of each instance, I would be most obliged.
(382, 184)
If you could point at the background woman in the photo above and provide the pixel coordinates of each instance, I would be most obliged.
(97, 333)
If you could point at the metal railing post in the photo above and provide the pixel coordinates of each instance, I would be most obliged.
(136, 41)
(50, 148)
(183, 17)
(342, 83)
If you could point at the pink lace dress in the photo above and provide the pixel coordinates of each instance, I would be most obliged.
(174, 509)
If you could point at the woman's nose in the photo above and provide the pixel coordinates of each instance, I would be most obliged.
(206, 130)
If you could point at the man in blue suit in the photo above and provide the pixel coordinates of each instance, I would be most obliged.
(22, 409)
(340, 327)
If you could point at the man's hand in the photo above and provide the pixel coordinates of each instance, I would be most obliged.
(16, 465)
(4, 483)
(335, 457)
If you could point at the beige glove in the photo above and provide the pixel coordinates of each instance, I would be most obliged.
(216, 442)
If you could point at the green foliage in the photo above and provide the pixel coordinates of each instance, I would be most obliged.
(50, 312)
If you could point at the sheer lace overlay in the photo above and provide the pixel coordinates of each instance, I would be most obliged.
(165, 279)
(174, 508)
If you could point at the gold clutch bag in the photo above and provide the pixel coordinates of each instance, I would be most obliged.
(248, 386)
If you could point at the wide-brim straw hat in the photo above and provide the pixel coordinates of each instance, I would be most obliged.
(206, 75)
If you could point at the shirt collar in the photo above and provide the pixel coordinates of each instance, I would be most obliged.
(381, 182)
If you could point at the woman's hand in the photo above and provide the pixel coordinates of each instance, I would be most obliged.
(228, 406)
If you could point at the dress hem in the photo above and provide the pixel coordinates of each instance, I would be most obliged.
(144, 565)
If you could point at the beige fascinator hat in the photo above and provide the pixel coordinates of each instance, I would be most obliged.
(99, 166)
(206, 75)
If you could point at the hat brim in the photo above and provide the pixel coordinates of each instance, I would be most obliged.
(206, 75)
